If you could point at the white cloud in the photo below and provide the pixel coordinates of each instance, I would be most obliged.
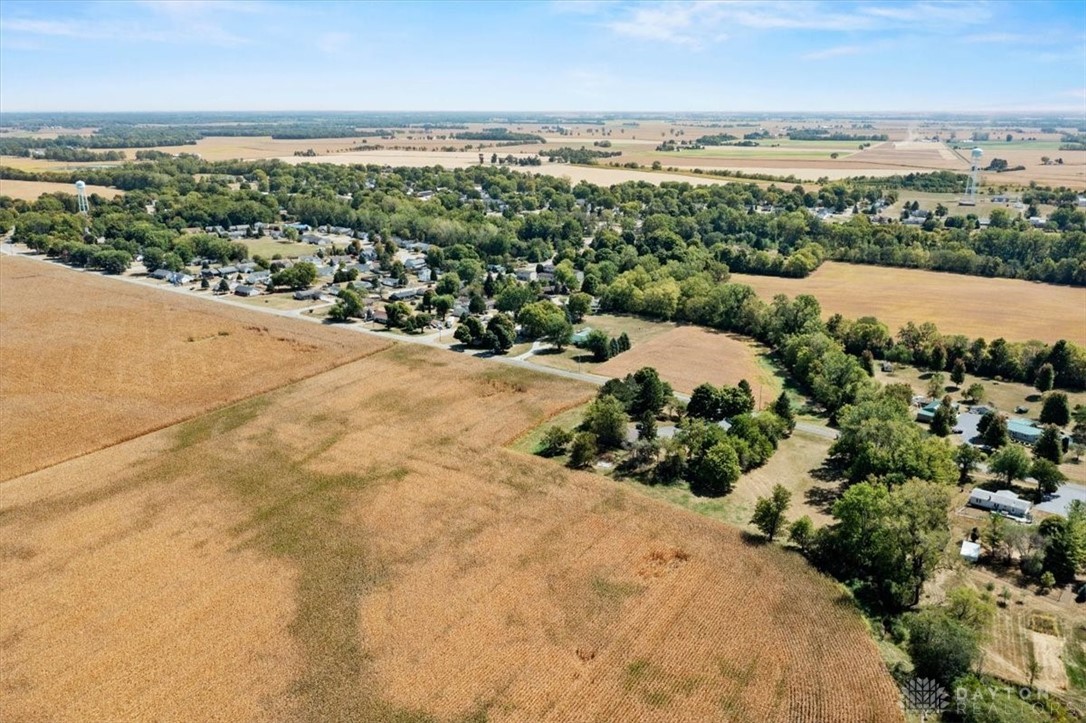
(161, 21)
(695, 23)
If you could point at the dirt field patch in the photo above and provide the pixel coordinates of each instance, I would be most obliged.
(690, 355)
(30, 190)
(88, 361)
(407, 566)
(971, 305)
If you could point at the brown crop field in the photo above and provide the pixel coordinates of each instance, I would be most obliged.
(88, 362)
(359, 546)
(30, 190)
(686, 356)
(971, 305)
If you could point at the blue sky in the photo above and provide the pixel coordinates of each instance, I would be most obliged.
(972, 56)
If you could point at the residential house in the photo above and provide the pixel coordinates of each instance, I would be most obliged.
(246, 290)
(403, 294)
(1004, 502)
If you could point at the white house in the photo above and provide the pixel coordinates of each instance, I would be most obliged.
(1003, 501)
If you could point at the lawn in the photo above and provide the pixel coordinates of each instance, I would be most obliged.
(268, 247)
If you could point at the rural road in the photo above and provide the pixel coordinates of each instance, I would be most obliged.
(430, 340)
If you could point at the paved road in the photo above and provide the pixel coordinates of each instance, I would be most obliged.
(430, 340)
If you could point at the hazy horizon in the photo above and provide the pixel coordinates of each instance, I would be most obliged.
(907, 58)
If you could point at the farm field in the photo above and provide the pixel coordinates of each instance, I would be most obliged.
(687, 356)
(1014, 309)
(344, 550)
(89, 361)
(31, 190)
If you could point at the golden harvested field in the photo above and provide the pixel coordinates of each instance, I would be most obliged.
(30, 190)
(687, 356)
(971, 305)
(89, 361)
(358, 546)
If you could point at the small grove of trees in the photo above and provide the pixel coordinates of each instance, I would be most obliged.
(604, 347)
(717, 403)
(886, 541)
(299, 276)
(498, 334)
(547, 321)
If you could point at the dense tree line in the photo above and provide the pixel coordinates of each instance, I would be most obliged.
(78, 155)
(672, 222)
(821, 134)
(499, 134)
(577, 155)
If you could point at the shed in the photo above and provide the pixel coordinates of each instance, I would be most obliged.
(970, 551)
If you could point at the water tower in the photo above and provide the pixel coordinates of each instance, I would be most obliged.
(81, 197)
(970, 197)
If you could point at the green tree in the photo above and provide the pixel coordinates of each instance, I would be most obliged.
(646, 427)
(348, 304)
(972, 608)
(941, 648)
(152, 258)
(652, 392)
(1010, 462)
(606, 419)
(944, 418)
(967, 457)
(957, 373)
(1050, 445)
(449, 284)
(554, 442)
(582, 450)
(717, 471)
(994, 433)
(476, 304)
(578, 305)
(598, 343)
(782, 407)
(540, 317)
(769, 512)
(514, 297)
(1045, 379)
(223, 287)
(1048, 477)
(1056, 409)
(112, 261)
(975, 392)
(442, 304)
(558, 332)
(802, 533)
(501, 332)
(936, 384)
(299, 276)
